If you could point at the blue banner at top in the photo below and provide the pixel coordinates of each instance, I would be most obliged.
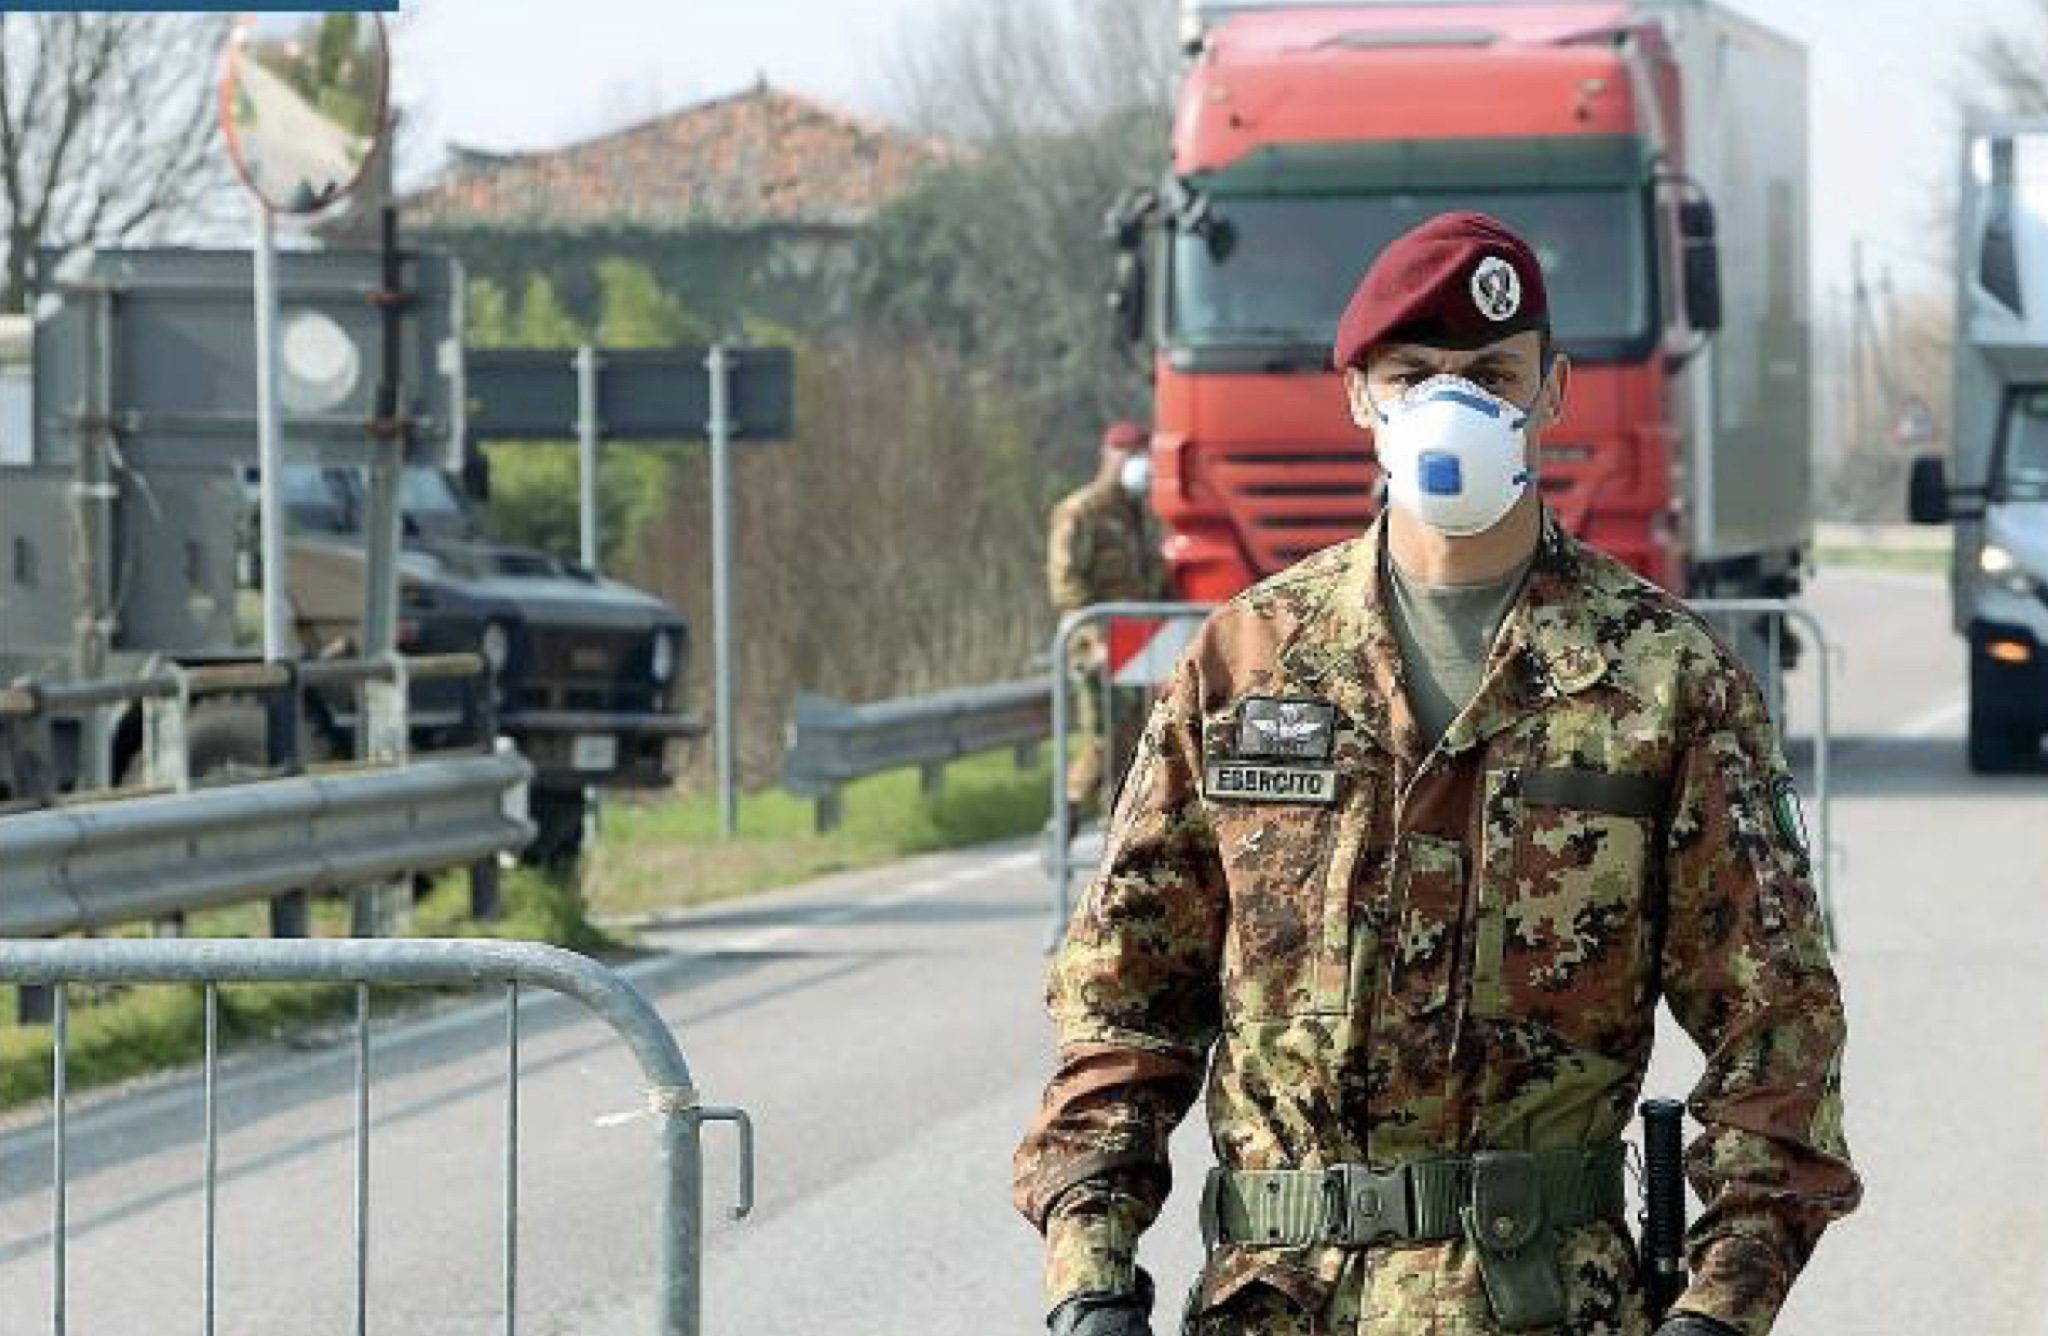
(203, 7)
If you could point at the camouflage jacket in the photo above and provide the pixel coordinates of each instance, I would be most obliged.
(1100, 550)
(1449, 952)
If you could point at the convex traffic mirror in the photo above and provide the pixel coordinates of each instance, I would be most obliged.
(303, 103)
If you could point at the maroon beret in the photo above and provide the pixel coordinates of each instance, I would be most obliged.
(1125, 435)
(1460, 280)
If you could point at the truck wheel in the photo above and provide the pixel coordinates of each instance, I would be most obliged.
(2000, 740)
(225, 740)
(558, 836)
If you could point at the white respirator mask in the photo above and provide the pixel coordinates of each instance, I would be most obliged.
(1456, 457)
(1136, 475)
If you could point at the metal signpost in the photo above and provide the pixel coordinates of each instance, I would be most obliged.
(723, 395)
(296, 158)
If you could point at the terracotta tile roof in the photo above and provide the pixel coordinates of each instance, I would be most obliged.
(761, 158)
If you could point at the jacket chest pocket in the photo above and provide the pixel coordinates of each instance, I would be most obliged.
(1291, 870)
(1562, 935)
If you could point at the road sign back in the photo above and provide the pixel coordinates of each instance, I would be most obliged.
(1143, 650)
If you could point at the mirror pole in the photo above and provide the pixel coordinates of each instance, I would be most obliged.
(277, 623)
(384, 521)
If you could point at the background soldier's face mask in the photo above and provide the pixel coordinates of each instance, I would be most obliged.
(1136, 475)
(1456, 456)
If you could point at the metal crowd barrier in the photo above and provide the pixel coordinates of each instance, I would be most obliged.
(671, 1097)
(831, 744)
(1059, 858)
(1775, 613)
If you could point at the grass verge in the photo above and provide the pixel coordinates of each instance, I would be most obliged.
(666, 853)
(124, 1032)
(1880, 558)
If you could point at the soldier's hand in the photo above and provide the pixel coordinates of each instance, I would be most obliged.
(1693, 1324)
(1099, 1314)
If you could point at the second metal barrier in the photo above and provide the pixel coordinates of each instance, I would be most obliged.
(1737, 616)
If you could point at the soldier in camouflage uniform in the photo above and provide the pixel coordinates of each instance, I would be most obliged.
(1101, 550)
(1420, 962)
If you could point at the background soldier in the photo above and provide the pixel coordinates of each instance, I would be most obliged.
(1101, 550)
(1415, 840)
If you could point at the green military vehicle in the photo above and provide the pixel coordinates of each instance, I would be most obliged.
(588, 670)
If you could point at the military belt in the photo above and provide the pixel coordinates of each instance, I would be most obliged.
(1421, 1200)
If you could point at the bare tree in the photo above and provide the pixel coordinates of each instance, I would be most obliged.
(996, 74)
(107, 131)
(1055, 107)
(2007, 70)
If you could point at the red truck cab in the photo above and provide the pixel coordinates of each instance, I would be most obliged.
(1306, 137)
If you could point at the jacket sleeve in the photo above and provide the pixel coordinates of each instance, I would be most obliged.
(1067, 559)
(1134, 998)
(1746, 971)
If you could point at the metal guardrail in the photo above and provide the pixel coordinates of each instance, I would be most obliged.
(95, 865)
(27, 709)
(1775, 613)
(89, 859)
(671, 1096)
(832, 744)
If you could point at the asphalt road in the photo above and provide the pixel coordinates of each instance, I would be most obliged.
(885, 1030)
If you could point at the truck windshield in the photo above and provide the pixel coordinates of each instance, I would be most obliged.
(425, 491)
(1294, 261)
(334, 498)
(2023, 462)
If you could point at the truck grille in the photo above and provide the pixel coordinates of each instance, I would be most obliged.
(1290, 500)
(587, 670)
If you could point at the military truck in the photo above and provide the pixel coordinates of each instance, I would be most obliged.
(126, 529)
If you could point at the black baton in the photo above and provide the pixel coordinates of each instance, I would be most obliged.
(1663, 1216)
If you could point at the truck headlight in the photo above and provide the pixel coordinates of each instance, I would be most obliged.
(496, 647)
(2003, 569)
(662, 664)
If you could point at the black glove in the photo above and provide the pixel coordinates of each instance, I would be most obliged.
(1100, 1314)
(1694, 1324)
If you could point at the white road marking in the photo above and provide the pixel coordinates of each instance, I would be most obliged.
(1934, 722)
(921, 889)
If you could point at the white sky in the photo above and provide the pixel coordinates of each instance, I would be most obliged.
(509, 74)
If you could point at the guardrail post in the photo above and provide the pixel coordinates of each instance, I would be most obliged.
(828, 812)
(379, 909)
(291, 915)
(168, 927)
(34, 1004)
(486, 887)
(32, 750)
(281, 713)
(931, 779)
(166, 730)
(1027, 755)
